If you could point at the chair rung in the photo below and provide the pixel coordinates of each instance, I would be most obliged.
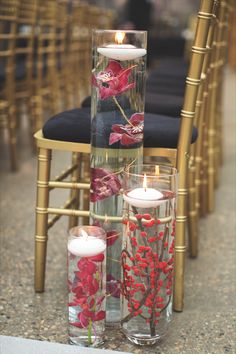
(66, 173)
(69, 185)
(68, 212)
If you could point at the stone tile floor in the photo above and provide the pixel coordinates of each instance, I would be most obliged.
(208, 323)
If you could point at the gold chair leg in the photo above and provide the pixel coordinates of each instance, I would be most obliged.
(180, 250)
(44, 157)
(192, 215)
(75, 193)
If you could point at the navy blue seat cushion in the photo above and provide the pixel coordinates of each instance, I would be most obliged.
(74, 126)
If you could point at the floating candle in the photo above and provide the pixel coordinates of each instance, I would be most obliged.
(86, 245)
(121, 51)
(144, 197)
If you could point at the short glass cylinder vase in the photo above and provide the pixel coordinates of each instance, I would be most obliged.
(117, 120)
(147, 257)
(87, 285)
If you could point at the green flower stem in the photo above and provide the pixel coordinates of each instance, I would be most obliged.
(90, 332)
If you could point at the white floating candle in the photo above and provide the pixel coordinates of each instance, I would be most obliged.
(86, 246)
(122, 51)
(144, 197)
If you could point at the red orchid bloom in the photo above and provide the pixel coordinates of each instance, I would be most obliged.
(113, 81)
(128, 134)
(103, 184)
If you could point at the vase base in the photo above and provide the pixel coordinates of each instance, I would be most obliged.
(143, 339)
(113, 318)
(84, 341)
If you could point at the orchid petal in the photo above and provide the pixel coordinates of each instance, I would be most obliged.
(114, 137)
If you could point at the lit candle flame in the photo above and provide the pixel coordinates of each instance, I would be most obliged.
(119, 37)
(84, 234)
(145, 182)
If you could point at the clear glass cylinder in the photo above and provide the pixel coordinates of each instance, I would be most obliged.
(147, 257)
(87, 285)
(117, 113)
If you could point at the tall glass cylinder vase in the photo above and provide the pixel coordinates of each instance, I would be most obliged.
(148, 252)
(87, 285)
(117, 113)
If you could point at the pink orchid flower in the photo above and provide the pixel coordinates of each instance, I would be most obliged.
(103, 184)
(128, 134)
(113, 81)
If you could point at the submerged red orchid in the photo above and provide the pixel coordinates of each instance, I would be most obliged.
(86, 292)
(103, 184)
(113, 286)
(128, 134)
(113, 81)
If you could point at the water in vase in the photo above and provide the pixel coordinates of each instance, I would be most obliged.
(117, 110)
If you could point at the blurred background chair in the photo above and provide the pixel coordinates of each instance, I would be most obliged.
(8, 30)
(46, 97)
(24, 61)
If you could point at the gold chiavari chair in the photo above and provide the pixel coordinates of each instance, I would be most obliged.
(209, 108)
(196, 151)
(215, 86)
(179, 156)
(8, 29)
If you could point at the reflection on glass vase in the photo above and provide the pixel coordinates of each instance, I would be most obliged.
(147, 257)
(117, 117)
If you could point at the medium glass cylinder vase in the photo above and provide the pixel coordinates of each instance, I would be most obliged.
(147, 257)
(87, 285)
(117, 113)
